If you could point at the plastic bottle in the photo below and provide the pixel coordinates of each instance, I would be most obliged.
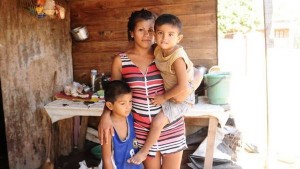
(100, 92)
(93, 79)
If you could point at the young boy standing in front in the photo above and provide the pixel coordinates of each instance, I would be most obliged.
(177, 71)
(123, 145)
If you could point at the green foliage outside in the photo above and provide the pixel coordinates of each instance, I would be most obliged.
(236, 16)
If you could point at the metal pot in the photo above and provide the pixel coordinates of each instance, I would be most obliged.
(202, 69)
(80, 33)
(200, 90)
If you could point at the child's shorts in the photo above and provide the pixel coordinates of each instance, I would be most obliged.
(174, 110)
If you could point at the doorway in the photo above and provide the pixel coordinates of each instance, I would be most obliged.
(241, 51)
(264, 63)
(283, 51)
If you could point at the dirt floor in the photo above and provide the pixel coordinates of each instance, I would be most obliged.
(72, 160)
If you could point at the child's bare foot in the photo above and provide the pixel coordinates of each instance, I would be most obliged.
(138, 158)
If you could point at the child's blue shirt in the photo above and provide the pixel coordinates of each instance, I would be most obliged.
(125, 149)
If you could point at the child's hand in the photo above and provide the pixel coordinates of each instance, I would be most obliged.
(158, 100)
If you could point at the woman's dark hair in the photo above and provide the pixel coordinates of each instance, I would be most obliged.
(168, 19)
(114, 89)
(137, 16)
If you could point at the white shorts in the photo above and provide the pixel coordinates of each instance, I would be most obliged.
(174, 110)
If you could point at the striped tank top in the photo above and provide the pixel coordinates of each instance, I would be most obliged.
(143, 86)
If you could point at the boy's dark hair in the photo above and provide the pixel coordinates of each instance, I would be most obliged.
(137, 16)
(168, 19)
(114, 89)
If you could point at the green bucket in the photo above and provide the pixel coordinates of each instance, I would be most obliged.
(217, 87)
(97, 151)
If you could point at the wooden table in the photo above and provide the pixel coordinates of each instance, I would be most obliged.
(212, 123)
(205, 114)
(62, 109)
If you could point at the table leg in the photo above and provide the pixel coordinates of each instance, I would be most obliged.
(76, 130)
(82, 133)
(211, 135)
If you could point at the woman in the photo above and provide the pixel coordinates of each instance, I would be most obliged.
(136, 66)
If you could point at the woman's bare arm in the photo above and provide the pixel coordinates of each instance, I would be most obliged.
(105, 126)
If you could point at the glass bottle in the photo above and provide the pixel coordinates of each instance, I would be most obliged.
(104, 80)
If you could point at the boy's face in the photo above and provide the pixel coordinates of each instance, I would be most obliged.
(167, 36)
(122, 106)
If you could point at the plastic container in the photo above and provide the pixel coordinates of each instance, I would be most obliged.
(218, 85)
(97, 151)
(100, 92)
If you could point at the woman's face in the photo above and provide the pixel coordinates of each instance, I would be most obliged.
(143, 33)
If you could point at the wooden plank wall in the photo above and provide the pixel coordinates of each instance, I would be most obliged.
(31, 51)
(106, 21)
